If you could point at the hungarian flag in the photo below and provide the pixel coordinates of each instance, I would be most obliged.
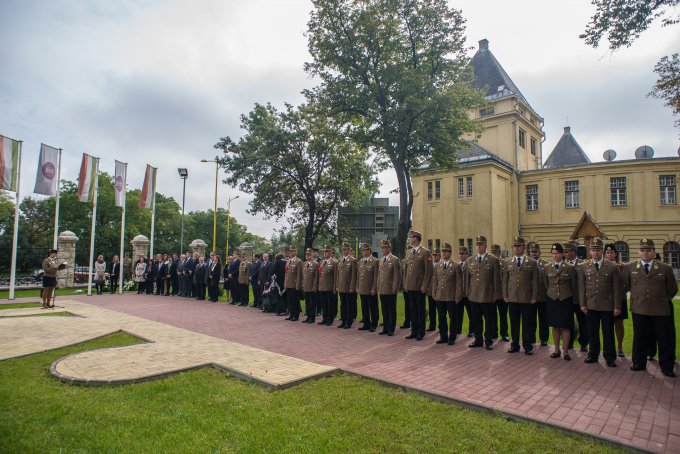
(119, 183)
(9, 163)
(149, 188)
(86, 180)
(46, 178)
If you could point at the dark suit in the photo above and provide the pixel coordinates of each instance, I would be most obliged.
(254, 277)
(115, 272)
(174, 281)
(200, 279)
(265, 274)
(233, 280)
(280, 272)
(214, 273)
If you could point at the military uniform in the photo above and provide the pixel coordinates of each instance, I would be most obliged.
(561, 281)
(367, 283)
(465, 302)
(346, 286)
(418, 275)
(327, 289)
(652, 288)
(580, 316)
(500, 314)
(447, 279)
(431, 300)
(484, 286)
(310, 287)
(407, 306)
(243, 291)
(293, 285)
(600, 291)
(540, 314)
(520, 289)
(389, 282)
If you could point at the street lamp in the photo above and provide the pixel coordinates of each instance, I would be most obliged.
(183, 174)
(217, 167)
(228, 221)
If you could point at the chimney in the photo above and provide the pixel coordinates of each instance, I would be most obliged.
(567, 129)
(483, 44)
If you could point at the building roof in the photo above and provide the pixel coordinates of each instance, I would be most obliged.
(472, 154)
(566, 153)
(488, 72)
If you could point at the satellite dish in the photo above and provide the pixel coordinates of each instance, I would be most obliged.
(609, 155)
(644, 152)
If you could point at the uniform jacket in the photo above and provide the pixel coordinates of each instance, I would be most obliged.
(346, 274)
(310, 277)
(465, 283)
(404, 266)
(243, 271)
(50, 267)
(600, 290)
(389, 275)
(542, 288)
(650, 294)
(367, 275)
(418, 270)
(430, 289)
(293, 274)
(521, 284)
(561, 284)
(484, 279)
(327, 272)
(447, 281)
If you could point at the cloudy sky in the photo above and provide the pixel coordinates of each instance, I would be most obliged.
(160, 81)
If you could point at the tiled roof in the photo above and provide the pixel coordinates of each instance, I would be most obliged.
(566, 153)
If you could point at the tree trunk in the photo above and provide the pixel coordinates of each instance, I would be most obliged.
(405, 204)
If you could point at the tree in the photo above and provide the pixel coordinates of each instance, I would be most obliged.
(667, 87)
(396, 75)
(298, 165)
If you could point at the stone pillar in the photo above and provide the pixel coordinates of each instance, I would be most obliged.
(284, 249)
(199, 246)
(67, 253)
(247, 250)
(140, 246)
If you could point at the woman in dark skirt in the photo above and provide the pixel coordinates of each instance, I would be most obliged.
(560, 280)
(612, 255)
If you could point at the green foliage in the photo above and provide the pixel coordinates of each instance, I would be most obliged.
(667, 86)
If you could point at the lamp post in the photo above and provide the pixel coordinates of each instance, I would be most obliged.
(228, 224)
(183, 174)
(217, 167)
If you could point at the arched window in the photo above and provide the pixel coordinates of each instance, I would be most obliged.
(671, 254)
(622, 249)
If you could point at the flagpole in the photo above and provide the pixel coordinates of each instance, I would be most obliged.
(153, 219)
(122, 238)
(15, 238)
(56, 203)
(92, 228)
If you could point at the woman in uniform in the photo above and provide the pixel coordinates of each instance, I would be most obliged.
(561, 281)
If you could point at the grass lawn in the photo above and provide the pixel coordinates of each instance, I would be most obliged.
(30, 293)
(209, 411)
(18, 305)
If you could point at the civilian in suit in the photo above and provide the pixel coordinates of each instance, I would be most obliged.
(159, 274)
(253, 274)
(500, 315)
(189, 264)
(181, 279)
(483, 281)
(448, 292)
(200, 278)
(328, 295)
(416, 283)
(293, 284)
(115, 273)
(389, 283)
(233, 276)
(346, 286)
(265, 274)
(279, 271)
(174, 278)
(150, 275)
(367, 288)
(561, 291)
(214, 274)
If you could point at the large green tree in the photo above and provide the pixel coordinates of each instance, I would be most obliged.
(298, 166)
(396, 75)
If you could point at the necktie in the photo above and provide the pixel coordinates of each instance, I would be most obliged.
(414, 252)
(557, 266)
(480, 258)
(385, 260)
(519, 262)
(646, 268)
(446, 265)
(597, 266)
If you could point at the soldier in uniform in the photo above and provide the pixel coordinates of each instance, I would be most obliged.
(418, 275)
(346, 285)
(447, 281)
(572, 259)
(520, 290)
(404, 293)
(293, 284)
(539, 308)
(327, 288)
(500, 314)
(561, 284)
(463, 255)
(310, 285)
(367, 288)
(612, 255)
(600, 291)
(484, 286)
(431, 302)
(243, 280)
(389, 281)
(652, 287)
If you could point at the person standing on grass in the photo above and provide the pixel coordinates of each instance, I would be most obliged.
(612, 255)
(561, 284)
(140, 274)
(50, 268)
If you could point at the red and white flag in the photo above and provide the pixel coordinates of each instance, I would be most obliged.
(149, 188)
(86, 179)
(119, 183)
(9, 163)
(46, 178)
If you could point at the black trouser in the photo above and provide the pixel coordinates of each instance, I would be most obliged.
(141, 287)
(243, 294)
(582, 328)
(182, 284)
(447, 329)
(407, 310)
(114, 283)
(500, 318)
(280, 301)
(329, 304)
(293, 298)
(432, 312)
(353, 306)
(522, 313)
(540, 316)
(417, 305)
(369, 310)
(99, 286)
(159, 286)
(257, 297)
(482, 316)
(649, 330)
(175, 284)
(464, 305)
(348, 307)
(310, 304)
(594, 320)
(212, 291)
(389, 311)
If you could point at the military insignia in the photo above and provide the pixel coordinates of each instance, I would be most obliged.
(656, 266)
(638, 265)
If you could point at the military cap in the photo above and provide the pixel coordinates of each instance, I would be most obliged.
(596, 243)
(646, 243)
(436, 252)
(309, 250)
(385, 243)
(327, 248)
(518, 241)
(292, 248)
(533, 246)
(417, 234)
(346, 246)
(53, 251)
(463, 250)
(480, 239)
(609, 247)
(495, 248)
(446, 247)
(557, 247)
(570, 245)
(315, 249)
(365, 247)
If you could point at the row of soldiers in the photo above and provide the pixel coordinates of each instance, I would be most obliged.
(527, 287)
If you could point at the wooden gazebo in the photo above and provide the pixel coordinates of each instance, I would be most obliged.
(587, 229)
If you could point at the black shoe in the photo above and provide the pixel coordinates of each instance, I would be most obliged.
(451, 342)
(567, 357)
(371, 330)
(513, 349)
(391, 333)
(506, 339)
(584, 348)
(441, 340)
(294, 319)
(410, 336)
(348, 326)
(544, 344)
(476, 344)
(322, 322)
(288, 318)
(590, 360)
(431, 328)
(383, 332)
(471, 334)
(329, 324)
(611, 363)
(364, 328)
(489, 346)
(280, 314)
(668, 373)
(621, 354)
(651, 358)
(419, 338)
(405, 326)
(635, 368)
(529, 352)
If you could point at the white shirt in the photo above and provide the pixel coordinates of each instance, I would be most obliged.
(482, 257)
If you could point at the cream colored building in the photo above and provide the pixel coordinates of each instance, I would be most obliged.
(502, 187)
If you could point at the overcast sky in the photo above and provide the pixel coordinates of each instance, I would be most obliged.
(160, 81)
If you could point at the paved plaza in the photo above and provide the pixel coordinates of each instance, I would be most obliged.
(640, 409)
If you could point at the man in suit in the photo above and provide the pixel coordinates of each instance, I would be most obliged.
(521, 285)
(310, 285)
(233, 271)
(600, 294)
(463, 255)
(181, 279)
(367, 288)
(346, 286)
(483, 280)
(188, 278)
(192, 269)
(174, 278)
(293, 284)
(500, 315)
(431, 302)
(570, 248)
(652, 287)
(200, 278)
(389, 281)
(327, 287)
(265, 274)
(127, 267)
(540, 307)
(447, 281)
(254, 273)
(416, 283)
(115, 272)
